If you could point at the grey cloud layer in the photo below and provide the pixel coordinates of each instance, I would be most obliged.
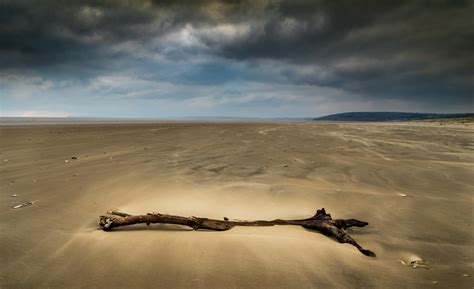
(394, 49)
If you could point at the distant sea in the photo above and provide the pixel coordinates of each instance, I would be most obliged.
(85, 120)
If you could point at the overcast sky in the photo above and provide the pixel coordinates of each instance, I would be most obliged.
(234, 58)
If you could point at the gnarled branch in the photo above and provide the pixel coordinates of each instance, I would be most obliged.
(320, 222)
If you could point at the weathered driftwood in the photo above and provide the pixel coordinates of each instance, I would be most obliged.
(320, 222)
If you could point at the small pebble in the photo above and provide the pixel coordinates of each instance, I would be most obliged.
(14, 195)
(66, 161)
(285, 165)
(466, 275)
(74, 158)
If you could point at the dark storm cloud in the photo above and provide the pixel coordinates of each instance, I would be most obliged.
(392, 49)
(405, 49)
(50, 32)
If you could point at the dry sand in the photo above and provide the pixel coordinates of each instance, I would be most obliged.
(237, 170)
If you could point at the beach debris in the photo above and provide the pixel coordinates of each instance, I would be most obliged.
(5, 160)
(74, 158)
(434, 282)
(23, 205)
(417, 263)
(14, 195)
(404, 195)
(321, 222)
(285, 165)
(66, 161)
(466, 275)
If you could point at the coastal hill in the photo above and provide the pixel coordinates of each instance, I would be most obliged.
(390, 116)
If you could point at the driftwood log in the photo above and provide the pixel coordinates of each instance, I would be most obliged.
(320, 222)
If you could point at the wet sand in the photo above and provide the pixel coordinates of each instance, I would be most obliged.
(413, 182)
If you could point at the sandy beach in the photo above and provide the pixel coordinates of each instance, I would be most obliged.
(413, 183)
